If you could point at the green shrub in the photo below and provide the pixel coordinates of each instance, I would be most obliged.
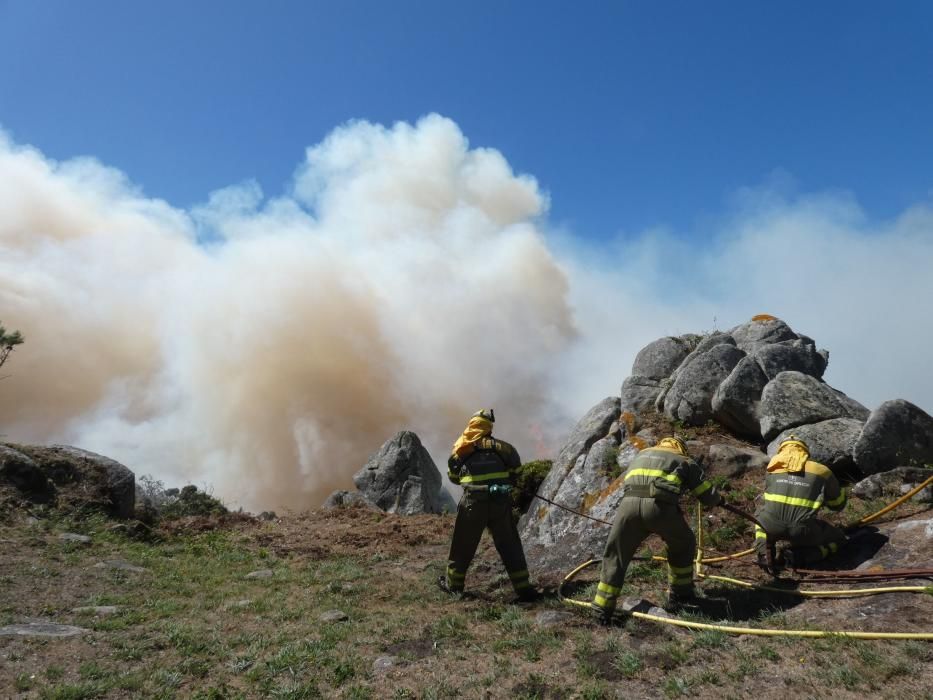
(529, 479)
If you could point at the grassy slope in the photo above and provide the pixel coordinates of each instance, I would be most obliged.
(193, 626)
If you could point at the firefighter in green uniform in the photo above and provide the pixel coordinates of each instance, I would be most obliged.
(653, 484)
(486, 469)
(795, 489)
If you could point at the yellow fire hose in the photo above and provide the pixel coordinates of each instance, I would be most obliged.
(892, 506)
(761, 631)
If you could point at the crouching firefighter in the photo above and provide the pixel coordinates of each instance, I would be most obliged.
(653, 484)
(795, 489)
(486, 468)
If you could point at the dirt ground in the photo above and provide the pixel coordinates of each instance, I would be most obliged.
(193, 624)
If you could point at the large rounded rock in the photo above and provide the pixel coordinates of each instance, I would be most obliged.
(755, 334)
(733, 461)
(689, 399)
(639, 393)
(735, 403)
(658, 359)
(794, 398)
(702, 345)
(790, 356)
(574, 480)
(897, 433)
(830, 442)
(401, 477)
(79, 479)
(120, 481)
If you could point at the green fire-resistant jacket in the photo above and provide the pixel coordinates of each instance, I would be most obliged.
(792, 498)
(492, 462)
(665, 475)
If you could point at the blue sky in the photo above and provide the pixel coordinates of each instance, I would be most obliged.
(630, 115)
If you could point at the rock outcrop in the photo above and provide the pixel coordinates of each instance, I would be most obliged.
(760, 381)
(69, 476)
(554, 534)
(401, 477)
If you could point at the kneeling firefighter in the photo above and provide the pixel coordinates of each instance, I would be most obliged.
(653, 484)
(795, 489)
(486, 468)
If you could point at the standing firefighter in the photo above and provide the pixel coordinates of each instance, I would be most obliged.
(795, 489)
(486, 469)
(654, 483)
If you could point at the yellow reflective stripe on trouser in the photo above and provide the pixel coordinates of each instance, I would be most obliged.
(702, 488)
(838, 500)
(455, 579)
(792, 501)
(606, 595)
(673, 478)
(606, 588)
(470, 479)
(760, 534)
(679, 575)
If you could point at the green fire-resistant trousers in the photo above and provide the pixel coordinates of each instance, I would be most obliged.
(636, 518)
(476, 512)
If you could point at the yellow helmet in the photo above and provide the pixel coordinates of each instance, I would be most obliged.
(676, 444)
(793, 440)
(486, 414)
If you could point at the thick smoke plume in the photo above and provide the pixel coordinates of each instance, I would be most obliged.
(268, 347)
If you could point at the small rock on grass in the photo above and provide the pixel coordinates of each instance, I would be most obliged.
(334, 616)
(552, 618)
(262, 573)
(99, 610)
(384, 663)
(42, 629)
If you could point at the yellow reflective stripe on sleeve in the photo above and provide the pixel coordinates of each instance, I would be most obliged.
(681, 569)
(470, 479)
(702, 488)
(791, 501)
(606, 588)
(839, 500)
(760, 534)
(673, 478)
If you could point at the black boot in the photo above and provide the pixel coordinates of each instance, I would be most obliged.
(529, 595)
(678, 601)
(602, 616)
(442, 584)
